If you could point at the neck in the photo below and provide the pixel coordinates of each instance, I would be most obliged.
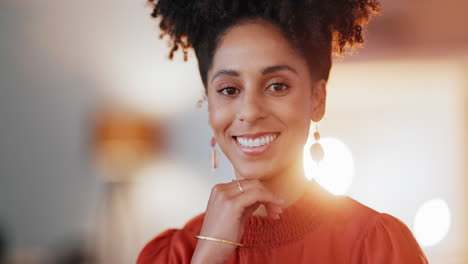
(289, 184)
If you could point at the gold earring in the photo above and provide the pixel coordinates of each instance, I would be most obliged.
(316, 150)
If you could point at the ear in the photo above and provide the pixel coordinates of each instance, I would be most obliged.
(319, 95)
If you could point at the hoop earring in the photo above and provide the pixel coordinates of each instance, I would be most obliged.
(214, 157)
(316, 150)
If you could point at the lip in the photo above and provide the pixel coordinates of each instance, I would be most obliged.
(255, 151)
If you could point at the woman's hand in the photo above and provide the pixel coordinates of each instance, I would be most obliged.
(228, 210)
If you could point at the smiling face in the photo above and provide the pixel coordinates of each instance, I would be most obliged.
(261, 99)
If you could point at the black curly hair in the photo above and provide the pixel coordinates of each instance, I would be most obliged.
(317, 29)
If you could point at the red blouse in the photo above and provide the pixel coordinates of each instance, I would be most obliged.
(319, 228)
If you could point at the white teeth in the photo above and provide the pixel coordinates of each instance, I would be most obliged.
(257, 142)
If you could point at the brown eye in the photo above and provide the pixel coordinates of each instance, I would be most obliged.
(229, 91)
(278, 87)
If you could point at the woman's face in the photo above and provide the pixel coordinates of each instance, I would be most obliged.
(261, 100)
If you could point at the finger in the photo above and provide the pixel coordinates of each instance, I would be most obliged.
(249, 210)
(252, 196)
(273, 208)
(248, 185)
(224, 190)
(273, 211)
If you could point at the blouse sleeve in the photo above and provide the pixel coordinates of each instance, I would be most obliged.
(389, 241)
(173, 246)
(167, 248)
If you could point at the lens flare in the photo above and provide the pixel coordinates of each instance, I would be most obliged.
(336, 171)
(432, 222)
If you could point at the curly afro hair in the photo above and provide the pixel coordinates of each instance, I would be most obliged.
(318, 29)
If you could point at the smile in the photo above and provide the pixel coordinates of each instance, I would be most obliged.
(255, 144)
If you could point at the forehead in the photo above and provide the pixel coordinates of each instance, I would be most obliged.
(254, 45)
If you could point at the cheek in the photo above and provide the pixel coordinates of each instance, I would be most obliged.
(219, 117)
(296, 115)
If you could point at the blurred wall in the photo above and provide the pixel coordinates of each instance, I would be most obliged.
(58, 59)
(47, 189)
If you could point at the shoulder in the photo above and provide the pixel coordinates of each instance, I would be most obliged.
(350, 215)
(389, 238)
(173, 245)
(378, 237)
(371, 236)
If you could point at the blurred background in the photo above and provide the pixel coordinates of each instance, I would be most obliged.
(102, 146)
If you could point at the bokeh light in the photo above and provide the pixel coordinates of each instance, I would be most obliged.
(432, 222)
(336, 171)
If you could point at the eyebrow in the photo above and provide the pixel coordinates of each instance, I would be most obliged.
(225, 72)
(265, 71)
(276, 68)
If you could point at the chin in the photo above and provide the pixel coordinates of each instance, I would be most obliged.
(254, 172)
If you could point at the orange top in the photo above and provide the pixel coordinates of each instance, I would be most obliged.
(319, 228)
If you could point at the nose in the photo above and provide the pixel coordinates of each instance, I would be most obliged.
(252, 107)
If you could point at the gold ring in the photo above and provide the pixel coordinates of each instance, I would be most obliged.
(240, 186)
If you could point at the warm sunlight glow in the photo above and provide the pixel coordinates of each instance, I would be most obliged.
(335, 172)
(432, 222)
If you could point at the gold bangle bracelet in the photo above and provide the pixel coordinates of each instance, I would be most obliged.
(219, 240)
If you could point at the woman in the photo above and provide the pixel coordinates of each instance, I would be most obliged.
(265, 66)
